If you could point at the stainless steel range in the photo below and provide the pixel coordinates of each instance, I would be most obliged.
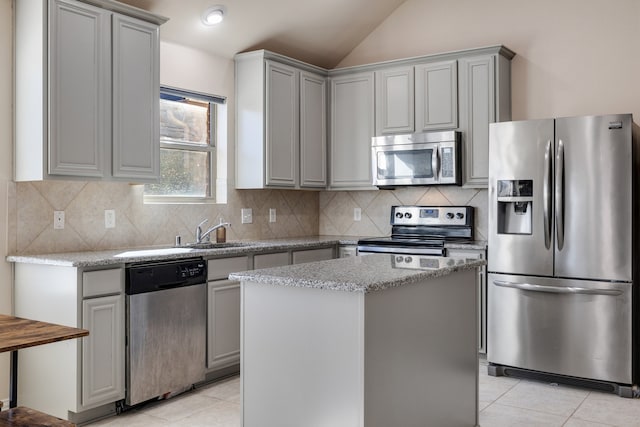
(422, 230)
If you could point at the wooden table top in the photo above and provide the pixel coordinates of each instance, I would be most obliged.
(17, 333)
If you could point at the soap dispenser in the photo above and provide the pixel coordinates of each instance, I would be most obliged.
(221, 233)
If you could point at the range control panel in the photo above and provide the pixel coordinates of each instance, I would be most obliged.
(432, 215)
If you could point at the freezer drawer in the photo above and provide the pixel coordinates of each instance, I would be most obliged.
(568, 327)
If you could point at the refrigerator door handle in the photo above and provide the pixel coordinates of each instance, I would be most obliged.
(560, 195)
(546, 195)
(556, 289)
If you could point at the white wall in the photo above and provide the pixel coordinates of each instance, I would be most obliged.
(574, 57)
(6, 156)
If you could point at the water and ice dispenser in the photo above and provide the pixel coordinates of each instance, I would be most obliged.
(515, 206)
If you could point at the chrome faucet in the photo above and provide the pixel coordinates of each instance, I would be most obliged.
(204, 236)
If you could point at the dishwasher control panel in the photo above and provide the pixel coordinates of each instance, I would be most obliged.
(156, 276)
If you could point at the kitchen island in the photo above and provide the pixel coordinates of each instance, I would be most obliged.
(361, 342)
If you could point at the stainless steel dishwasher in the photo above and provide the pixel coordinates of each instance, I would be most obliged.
(166, 327)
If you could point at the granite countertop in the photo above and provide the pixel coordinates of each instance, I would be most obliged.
(368, 273)
(124, 256)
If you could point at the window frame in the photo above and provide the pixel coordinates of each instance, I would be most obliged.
(211, 148)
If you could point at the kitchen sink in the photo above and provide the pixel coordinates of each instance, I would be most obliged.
(213, 245)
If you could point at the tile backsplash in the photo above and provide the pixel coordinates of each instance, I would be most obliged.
(137, 224)
(336, 208)
(299, 213)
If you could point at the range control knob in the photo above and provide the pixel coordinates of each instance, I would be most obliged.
(459, 215)
(449, 215)
(399, 215)
(407, 215)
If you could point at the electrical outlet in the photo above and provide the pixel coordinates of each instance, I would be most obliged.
(58, 220)
(247, 215)
(357, 214)
(109, 218)
(272, 215)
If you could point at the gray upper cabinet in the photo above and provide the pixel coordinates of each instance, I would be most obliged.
(136, 98)
(313, 130)
(394, 100)
(485, 97)
(436, 96)
(282, 117)
(280, 122)
(87, 92)
(352, 127)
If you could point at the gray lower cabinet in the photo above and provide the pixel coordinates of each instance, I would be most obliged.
(223, 312)
(312, 255)
(280, 122)
(89, 373)
(87, 92)
(275, 259)
(482, 292)
(352, 127)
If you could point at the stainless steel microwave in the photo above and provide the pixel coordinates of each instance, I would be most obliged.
(427, 158)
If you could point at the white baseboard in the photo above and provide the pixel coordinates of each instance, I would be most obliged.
(5, 404)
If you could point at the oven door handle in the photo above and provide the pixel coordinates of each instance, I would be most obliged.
(556, 289)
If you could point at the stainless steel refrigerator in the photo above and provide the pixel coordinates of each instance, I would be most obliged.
(561, 250)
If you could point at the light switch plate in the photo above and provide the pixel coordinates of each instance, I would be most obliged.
(272, 215)
(357, 214)
(58, 220)
(247, 215)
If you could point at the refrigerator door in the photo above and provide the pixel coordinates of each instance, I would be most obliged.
(580, 328)
(520, 197)
(593, 197)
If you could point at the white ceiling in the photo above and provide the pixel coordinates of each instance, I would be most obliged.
(320, 32)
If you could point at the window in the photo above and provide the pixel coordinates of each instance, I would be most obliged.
(188, 143)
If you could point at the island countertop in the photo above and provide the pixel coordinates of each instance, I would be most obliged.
(368, 273)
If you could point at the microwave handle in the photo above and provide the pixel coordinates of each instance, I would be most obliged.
(435, 163)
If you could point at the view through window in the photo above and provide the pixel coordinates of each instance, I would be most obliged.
(188, 129)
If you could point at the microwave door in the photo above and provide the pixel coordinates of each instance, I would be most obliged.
(405, 165)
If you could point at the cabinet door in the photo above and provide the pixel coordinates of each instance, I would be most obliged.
(436, 96)
(79, 105)
(282, 138)
(313, 130)
(352, 127)
(277, 259)
(394, 101)
(223, 324)
(311, 255)
(136, 100)
(482, 293)
(477, 110)
(103, 350)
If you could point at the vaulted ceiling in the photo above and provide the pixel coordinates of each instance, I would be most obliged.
(321, 32)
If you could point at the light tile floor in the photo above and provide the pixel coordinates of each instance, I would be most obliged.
(503, 402)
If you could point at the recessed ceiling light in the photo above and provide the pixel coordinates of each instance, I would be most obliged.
(213, 15)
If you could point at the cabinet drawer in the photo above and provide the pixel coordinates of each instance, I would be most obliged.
(221, 268)
(466, 253)
(102, 282)
(277, 259)
(312, 255)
